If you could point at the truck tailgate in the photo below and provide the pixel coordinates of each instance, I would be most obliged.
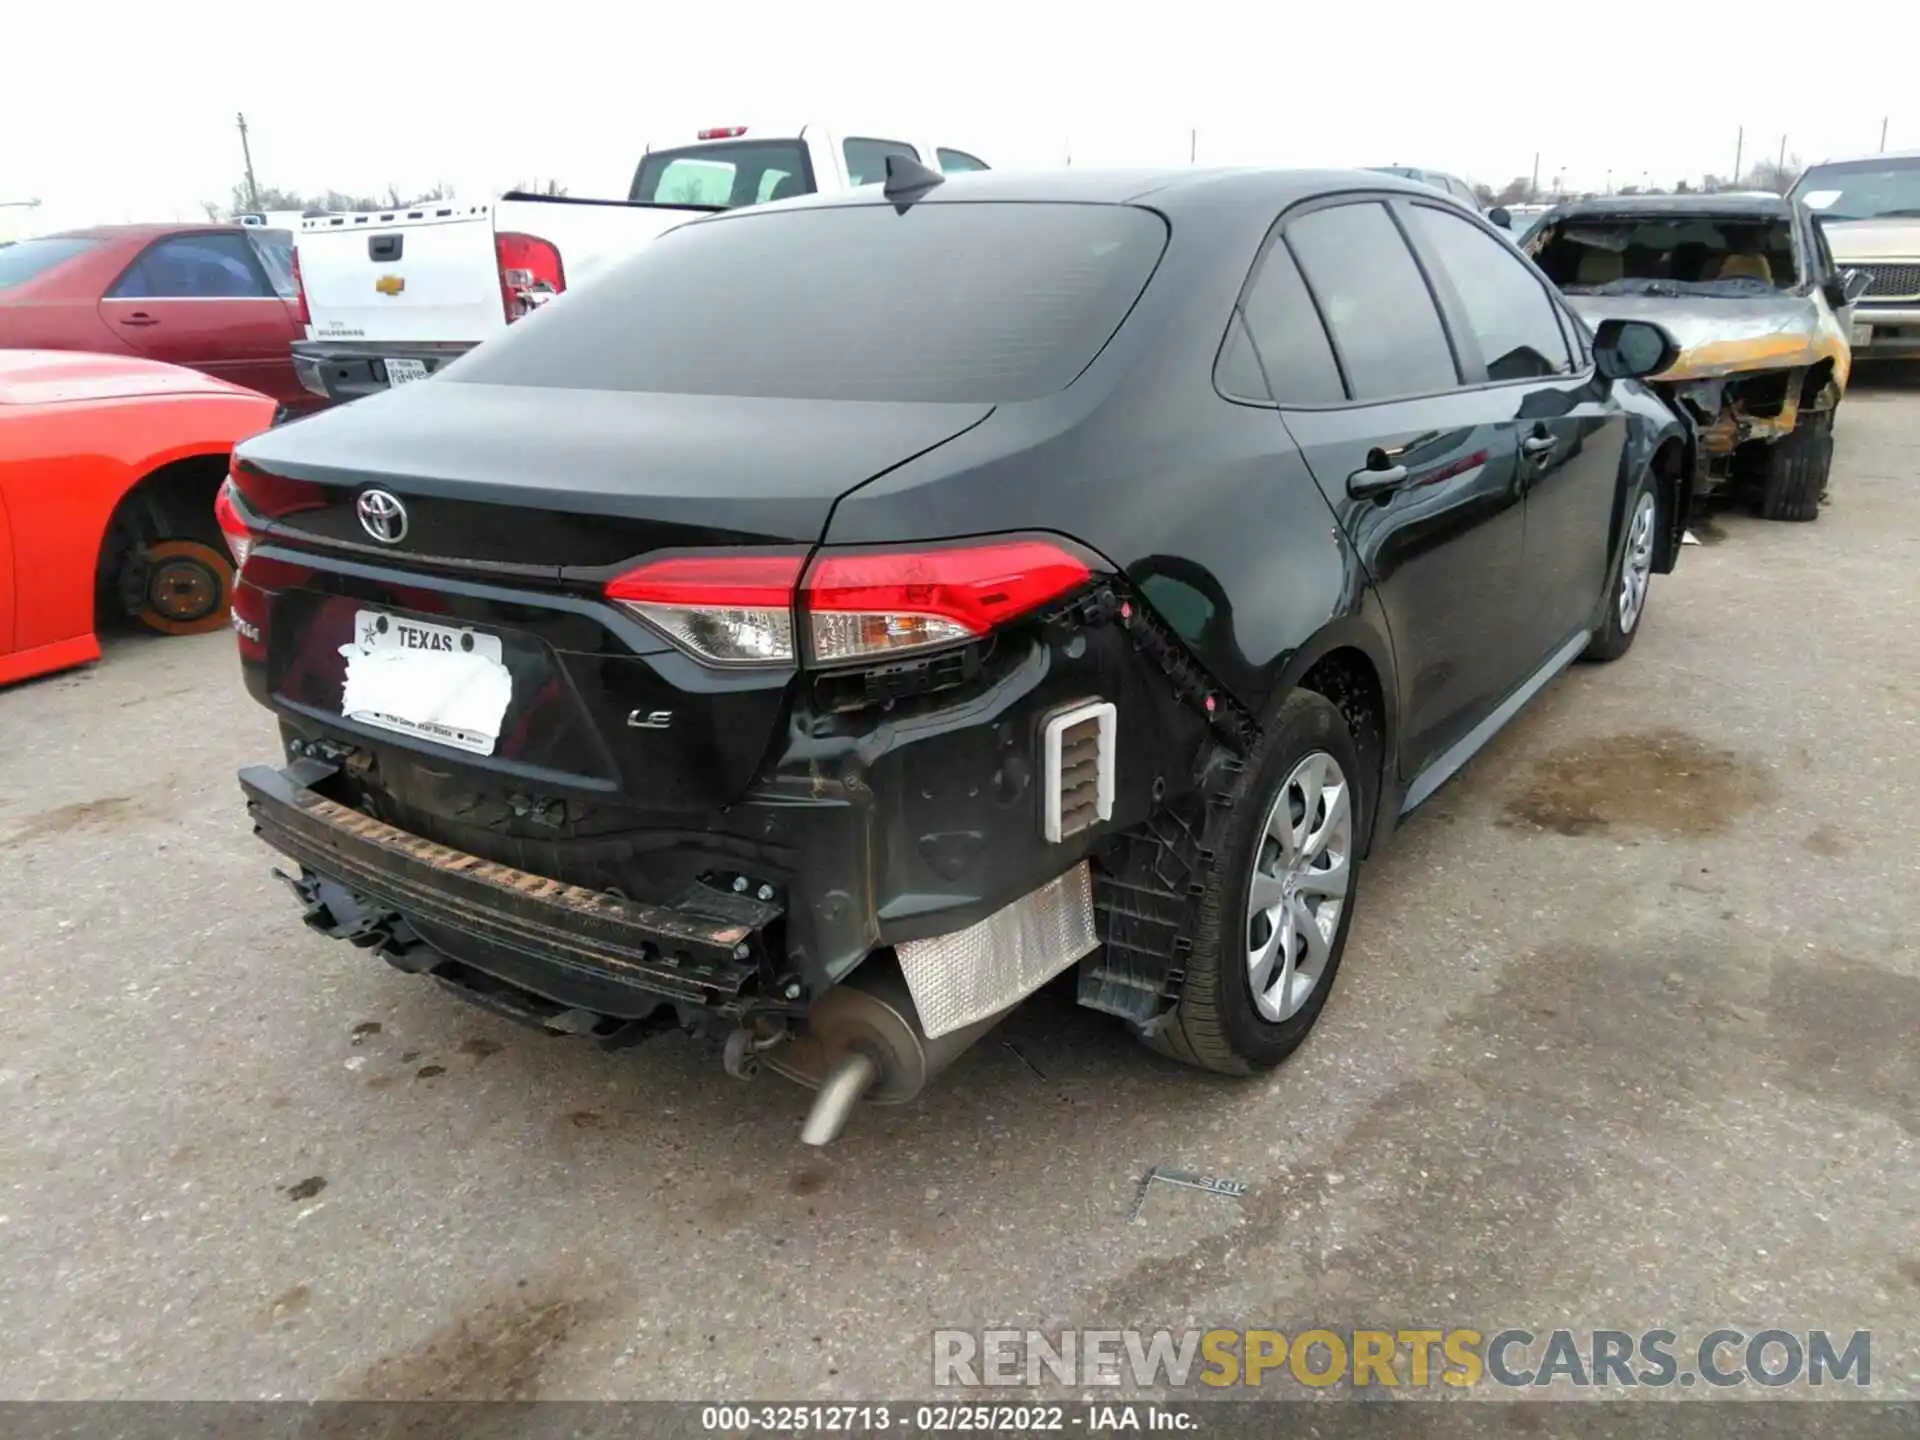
(419, 275)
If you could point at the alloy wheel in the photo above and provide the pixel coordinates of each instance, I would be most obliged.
(1302, 878)
(1636, 566)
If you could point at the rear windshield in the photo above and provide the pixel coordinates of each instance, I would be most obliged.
(1666, 255)
(946, 302)
(24, 259)
(1862, 190)
(728, 173)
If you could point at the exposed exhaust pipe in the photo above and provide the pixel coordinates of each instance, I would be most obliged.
(864, 1041)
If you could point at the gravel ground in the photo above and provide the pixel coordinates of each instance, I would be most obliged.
(1628, 1035)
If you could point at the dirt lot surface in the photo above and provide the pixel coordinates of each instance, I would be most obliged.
(1628, 1035)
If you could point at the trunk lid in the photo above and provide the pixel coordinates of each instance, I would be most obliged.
(520, 505)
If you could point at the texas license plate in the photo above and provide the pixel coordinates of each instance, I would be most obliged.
(402, 372)
(1860, 335)
(444, 683)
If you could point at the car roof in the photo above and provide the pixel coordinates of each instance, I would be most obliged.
(1168, 188)
(1744, 203)
(1869, 158)
(141, 232)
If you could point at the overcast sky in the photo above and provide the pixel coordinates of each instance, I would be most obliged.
(128, 114)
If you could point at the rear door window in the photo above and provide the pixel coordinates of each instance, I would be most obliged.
(26, 260)
(867, 159)
(195, 267)
(948, 302)
(1506, 308)
(1283, 347)
(274, 248)
(1381, 315)
(726, 174)
(958, 162)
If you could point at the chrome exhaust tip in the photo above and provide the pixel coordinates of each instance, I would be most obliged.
(839, 1093)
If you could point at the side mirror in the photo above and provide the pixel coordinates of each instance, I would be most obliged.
(1834, 287)
(1501, 216)
(1855, 283)
(1632, 349)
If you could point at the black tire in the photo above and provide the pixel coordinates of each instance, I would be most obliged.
(1613, 634)
(1216, 1024)
(1797, 470)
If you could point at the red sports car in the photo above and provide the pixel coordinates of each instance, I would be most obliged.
(109, 468)
(215, 298)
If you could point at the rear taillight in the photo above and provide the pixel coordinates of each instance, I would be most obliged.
(739, 608)
(722, 132)
(530, 273)
(271, 496)
(305, 316)
(233, 529)
(726, 609)
(872, 604)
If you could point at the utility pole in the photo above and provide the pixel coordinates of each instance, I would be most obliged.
(1193, 145)
(253, 190)
(1781, 167)
(1739, 148)
(1533, 185)
(1883, 134)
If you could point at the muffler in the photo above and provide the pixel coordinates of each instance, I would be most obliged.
(864, 1040)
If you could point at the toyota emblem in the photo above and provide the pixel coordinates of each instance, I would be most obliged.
(383, 516)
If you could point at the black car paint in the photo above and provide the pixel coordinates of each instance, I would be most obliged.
(1225, 522)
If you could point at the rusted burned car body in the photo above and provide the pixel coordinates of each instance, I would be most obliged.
(1747, 287)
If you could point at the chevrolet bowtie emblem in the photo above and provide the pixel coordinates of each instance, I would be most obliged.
(390, 284)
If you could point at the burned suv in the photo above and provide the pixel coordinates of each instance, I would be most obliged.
(1747, 286)
(846, 615)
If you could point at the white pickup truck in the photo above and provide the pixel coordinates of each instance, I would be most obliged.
(390, 297)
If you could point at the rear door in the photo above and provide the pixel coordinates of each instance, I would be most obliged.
(204, 300)
(1571, 429)
(1419, 466)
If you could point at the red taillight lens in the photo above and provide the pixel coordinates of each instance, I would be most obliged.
(871, 604)
(271, 496)
(726, 609)
(738, 608)
(233, 529)
(530, 272)
(300, 290)
(723, 132)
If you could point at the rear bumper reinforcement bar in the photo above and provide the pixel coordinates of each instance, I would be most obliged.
(702, 949)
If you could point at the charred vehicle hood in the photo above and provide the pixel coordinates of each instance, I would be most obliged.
(1727, 336)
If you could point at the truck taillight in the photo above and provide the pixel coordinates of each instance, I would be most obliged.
(304, 315)
(723, 132)
(530, 273)
(856, 604)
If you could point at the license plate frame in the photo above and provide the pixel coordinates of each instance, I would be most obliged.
(406, 372)
(448, 684)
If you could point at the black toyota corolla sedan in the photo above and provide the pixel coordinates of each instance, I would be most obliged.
(844, 617)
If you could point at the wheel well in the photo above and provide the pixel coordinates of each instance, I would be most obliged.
(1346, 677)
(1812, 389)
(171, 502)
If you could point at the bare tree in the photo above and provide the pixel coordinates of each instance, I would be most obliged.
(538, 187)
(1774, 175)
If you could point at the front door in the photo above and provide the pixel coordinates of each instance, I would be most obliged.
(1420, 469)
(1570, 429)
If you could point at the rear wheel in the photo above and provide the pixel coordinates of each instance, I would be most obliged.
(189, 585)
(1795, 479)
(1276, 899)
